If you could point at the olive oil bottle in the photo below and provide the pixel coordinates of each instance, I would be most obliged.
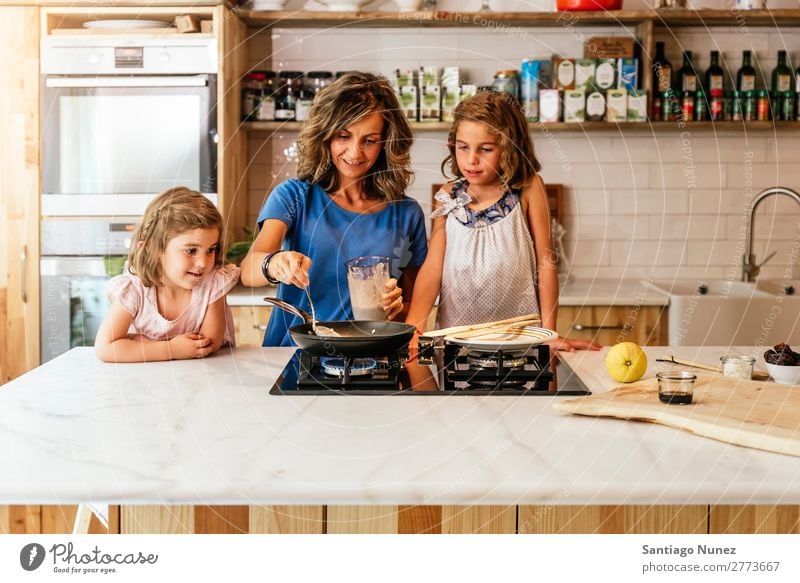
(715, 77)
(782, 75)
(746, 77)
(687, 77)
(662, 68)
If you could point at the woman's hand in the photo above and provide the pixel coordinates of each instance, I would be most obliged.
(570, 345)
(392, 299)
(290, 267)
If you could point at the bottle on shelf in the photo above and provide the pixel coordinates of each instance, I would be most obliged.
(715, 77)
(746, 77)
(782, 75)
(662, 68)
(687, 76)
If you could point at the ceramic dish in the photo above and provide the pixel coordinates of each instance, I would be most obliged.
(126, 24)
(784, 375)
(526, 337)
(344, 5)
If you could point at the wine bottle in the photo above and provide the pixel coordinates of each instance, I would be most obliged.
(662, 68)
(687, 77)
(746, 77)
(782, 75)
(715, 77)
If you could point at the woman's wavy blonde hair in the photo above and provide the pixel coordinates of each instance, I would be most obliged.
(346, 101)
(171, 213)
(502, 114)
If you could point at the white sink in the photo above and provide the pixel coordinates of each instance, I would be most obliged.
(730, 313)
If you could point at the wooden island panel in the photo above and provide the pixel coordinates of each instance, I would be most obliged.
(287, 519)
(613, 519)
(754, 520)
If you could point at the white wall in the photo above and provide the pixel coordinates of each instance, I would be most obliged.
(662, 204)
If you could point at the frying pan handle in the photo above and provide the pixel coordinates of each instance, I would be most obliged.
(294, 310)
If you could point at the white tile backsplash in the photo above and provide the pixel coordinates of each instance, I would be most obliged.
(659, 204)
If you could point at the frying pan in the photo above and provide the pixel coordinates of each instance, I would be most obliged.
(358, 337)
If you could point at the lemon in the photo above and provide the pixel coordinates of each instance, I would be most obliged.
(626, 362)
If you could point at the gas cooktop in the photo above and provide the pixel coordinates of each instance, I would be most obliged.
(441, 370)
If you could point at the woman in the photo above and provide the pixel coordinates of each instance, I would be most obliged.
(348, 200)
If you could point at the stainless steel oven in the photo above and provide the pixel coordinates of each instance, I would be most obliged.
(124, 119)
(78, 258)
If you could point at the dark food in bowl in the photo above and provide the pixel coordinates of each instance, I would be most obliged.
(782, 355)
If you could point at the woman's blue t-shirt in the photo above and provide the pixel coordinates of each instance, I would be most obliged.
(330, 236)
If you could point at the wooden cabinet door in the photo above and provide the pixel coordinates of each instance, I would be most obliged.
(608, 325)
(19, 190)
(250, 323)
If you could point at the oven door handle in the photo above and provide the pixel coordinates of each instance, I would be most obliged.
(132, 81)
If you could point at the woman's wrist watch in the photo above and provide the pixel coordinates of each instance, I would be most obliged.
(265, 267)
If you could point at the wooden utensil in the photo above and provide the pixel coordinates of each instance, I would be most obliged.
(749, 413)
(459, 329)
(757, 374)
(517, 328)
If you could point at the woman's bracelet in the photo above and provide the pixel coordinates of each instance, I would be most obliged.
(265, 267)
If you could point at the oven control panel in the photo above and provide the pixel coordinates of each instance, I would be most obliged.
(87, 237)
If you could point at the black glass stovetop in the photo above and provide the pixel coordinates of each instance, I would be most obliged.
(455, 371)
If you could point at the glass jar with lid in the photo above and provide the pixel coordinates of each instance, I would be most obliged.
(738, 367)
(266, 107)
(507, 81)
(252, 86)
(316, 81)
(291, 84)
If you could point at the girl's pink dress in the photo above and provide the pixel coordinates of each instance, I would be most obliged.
(140, 302)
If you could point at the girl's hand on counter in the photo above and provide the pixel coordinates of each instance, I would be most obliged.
(189, 345)
(571, 345)
(392, 299)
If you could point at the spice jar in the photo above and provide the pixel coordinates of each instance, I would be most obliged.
(655, 108)
(676, 387)
(749, 106)
(717, 108)
(737, 106)
(507, 82)
(288, 94)
(266, 106)
(762, 105)
(738, 367)
(687, 106)
(727, 106)
(700, 106)
(670, 106)
(252, 86)
(786, 106)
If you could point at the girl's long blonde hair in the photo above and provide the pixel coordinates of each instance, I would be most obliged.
(171, 213)
(502, 114)
(346, 101)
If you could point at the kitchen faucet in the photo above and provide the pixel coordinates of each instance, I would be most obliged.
(749, 268)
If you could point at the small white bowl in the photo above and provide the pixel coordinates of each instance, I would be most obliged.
(267, 4)
(785, 375)
(408, 5)
(344, 5)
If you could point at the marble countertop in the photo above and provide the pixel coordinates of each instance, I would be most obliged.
(576, 292)
(251, 296)
(610, 292)
(207, 431)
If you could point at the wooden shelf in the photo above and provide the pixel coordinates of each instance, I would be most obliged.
(271, 127)
(385, 19)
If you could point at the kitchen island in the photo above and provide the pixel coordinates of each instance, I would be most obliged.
(201, 446)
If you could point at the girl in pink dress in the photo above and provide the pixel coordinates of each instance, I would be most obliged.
(170, 302)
